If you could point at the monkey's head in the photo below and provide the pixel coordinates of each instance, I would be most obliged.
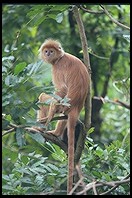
(51, 51)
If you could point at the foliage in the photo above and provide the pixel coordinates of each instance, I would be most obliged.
(110, 163)
(33, 174)
(30, 164)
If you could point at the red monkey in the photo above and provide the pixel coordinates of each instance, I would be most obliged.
(71, 79)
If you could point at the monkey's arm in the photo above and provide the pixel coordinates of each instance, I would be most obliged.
(46, 112)
(49, 115)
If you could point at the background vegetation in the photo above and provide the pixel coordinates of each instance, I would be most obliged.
(32, 165)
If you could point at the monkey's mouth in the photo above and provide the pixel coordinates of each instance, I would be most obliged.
(48, 56)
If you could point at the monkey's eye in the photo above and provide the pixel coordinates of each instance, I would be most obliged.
(51, 51)
(46, 51)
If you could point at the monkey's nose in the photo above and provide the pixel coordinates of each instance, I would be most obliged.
(48, 54)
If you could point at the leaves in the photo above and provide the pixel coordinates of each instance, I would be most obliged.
(20, 67)
(37, 137)
(20, 137)
(29, 177)
(8, 58)
(59, 17)
(127, 37)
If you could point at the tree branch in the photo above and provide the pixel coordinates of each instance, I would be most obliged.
(114, 20)
(90, 11)
(56, 118)
(14, 126)
(116, 102)
(114, 185)
(8, 131)
(50, 137)
(86, 62)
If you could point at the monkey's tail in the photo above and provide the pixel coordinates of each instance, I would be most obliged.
(70, 162)
(72, 119)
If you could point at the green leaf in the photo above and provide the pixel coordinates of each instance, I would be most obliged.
(20, 67)
(51, 146)
(99, 151)
(53, 167)
(59, 8)
(5, 177)
(47, 168)
(27, 180)
(91, 130)
(7, 80)
(96, 173)
(106, 176)
(7, 187)
(38, 137)
(38, 163)
(5, 124)
(65, 101)
(38, 20)
(106, 156)
(51, 179)
(56, 96)
(34, 11)
(8, 117)
(11, 58)
(20, 137)
(59, 17)
(127, 37)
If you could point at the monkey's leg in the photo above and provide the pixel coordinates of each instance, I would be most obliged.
(42, 114)
(51, 113)
(60, 127)
(43, 111)
(72, 119)
(46, 113)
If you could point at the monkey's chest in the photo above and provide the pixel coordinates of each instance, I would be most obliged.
(59, 79)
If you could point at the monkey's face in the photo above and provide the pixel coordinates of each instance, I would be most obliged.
(49, 54)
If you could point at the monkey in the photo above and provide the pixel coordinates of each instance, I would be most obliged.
(71, 79)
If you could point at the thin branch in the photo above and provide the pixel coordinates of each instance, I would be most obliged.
(76, 185)
(110, 190)
(116, 102)
(80, 174)
(127, 106)
(90, 11)
(82, 37)
(50, 137)
(114, 187)
(94, 188)
(27, 127)
(114, 20)
(8, 131)
(113, 183)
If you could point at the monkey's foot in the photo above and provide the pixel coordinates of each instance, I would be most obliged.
(53, 132)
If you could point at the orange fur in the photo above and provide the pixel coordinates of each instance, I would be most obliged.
(71, 79)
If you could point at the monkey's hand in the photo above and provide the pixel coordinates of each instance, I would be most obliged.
(46, 120)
